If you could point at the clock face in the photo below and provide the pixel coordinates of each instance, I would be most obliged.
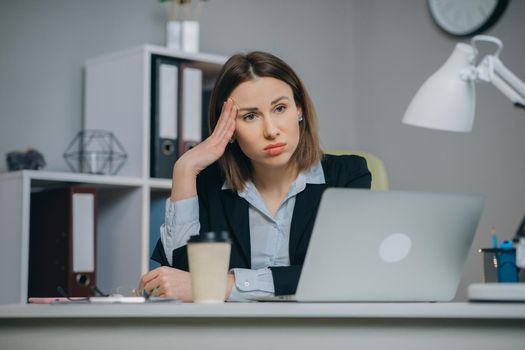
(466, 17)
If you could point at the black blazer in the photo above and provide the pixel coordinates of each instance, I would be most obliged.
(225, 210)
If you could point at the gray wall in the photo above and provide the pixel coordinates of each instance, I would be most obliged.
(44, 45)
(361, 60)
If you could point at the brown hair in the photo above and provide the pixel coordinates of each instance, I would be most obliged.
(245, 67)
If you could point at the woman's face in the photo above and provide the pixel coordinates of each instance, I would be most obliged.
(267, 122)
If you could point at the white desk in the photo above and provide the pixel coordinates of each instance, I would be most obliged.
(264, 326)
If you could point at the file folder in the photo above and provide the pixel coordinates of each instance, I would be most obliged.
(206, 98)
(191, 112)
(164, 116)
(62, 242)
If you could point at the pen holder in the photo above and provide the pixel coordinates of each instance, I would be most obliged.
(499, 265)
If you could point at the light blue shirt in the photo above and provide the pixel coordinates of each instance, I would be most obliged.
(269, 234)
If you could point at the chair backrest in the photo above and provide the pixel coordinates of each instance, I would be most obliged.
(375, 165)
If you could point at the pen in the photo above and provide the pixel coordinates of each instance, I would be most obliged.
(145, 294)
(140, 293)
(494, 238)
(495, 246)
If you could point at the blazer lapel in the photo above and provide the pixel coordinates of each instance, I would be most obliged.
(306, 205)
(236, 210)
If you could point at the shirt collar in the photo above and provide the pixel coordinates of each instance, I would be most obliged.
(312, 175)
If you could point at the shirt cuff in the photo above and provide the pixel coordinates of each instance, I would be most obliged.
(252, 284)
(181, 212)
(181, 221)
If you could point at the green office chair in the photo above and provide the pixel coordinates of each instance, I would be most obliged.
(375, 165)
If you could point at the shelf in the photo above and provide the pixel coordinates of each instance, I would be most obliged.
(52, 179)
(159, 184)
(44, 178)
(204, 58)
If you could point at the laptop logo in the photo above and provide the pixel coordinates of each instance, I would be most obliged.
(395, 247)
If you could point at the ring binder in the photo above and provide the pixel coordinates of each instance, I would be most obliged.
(62, 242)
(191, 118)
(164, 116)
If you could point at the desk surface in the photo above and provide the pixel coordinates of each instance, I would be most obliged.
(492, 311)
(262, 326)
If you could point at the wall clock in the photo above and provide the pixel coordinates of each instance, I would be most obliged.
(466, 17)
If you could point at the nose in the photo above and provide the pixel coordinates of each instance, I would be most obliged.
(270, 129)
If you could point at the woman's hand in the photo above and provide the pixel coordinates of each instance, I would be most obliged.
(191, 163)
(211, 149)
(174, 283)
(167, 282)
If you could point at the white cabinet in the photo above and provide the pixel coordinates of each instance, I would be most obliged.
(117, 98)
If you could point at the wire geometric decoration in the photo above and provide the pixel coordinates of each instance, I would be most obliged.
(95, 152)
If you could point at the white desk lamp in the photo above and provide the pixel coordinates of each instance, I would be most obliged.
(446, 101)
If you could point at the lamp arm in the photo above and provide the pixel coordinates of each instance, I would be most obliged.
(508, 76)
(492, 70)
(508, 91)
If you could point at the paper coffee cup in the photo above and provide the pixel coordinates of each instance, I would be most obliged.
(209, 259)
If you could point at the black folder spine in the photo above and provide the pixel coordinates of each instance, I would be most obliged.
(163, 151)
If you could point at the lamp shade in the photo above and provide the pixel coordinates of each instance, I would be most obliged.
(446, 101)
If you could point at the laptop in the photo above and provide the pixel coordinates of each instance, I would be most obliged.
(387, 246)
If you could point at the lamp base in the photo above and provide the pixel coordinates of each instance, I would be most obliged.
(496, 292)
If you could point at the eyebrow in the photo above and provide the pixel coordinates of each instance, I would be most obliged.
(253, 109)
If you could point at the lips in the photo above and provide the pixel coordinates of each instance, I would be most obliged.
(275, 149)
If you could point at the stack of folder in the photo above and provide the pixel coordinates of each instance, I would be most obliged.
(176, 112)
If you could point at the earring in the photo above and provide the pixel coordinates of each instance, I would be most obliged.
(300, 118)
(232, 140)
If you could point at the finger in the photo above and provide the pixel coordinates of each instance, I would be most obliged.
(154, 292)
(159, 291)
(220, 121)
(229, 126)
(223, 118)
(149, 276)
(151, 287)
(230, 130)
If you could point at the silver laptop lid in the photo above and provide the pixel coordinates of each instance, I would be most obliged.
(388, 246)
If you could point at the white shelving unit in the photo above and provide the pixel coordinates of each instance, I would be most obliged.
(117, 98)
(120, 222)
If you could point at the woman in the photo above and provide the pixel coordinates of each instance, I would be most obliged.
(260, 176)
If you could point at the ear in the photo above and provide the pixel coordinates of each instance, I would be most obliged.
(299, 111)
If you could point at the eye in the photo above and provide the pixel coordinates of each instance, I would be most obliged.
(249, 117)
(280, 109)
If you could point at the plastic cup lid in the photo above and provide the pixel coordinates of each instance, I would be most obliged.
(211, 237)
